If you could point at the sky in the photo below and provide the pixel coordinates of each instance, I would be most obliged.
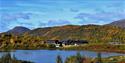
(46, 13)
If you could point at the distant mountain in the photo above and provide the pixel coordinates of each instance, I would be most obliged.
(92, 33)
(120, 23)
(18, 30)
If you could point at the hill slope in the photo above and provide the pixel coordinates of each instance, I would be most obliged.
(93, 33)
(120, 23)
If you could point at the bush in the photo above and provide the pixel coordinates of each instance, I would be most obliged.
(51, 46)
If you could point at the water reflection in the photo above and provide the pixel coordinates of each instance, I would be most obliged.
(9, 58)
(49, 56)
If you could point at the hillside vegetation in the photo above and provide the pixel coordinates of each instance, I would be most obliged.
(35, 38)
(92, 33)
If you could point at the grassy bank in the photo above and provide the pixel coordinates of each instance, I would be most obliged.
(92, 47)
(98, 47)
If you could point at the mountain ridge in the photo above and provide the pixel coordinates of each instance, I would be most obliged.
(96, 33)
(18, 30)
(21, 29)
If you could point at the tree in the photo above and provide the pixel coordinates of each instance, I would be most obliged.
(99, 58)
(79, 58)
(59, 59)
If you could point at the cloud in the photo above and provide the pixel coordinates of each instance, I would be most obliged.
(74, 10)
(42, 24)
(27, 24)
(103, 13)
(15, 16)
(101, 16)
(7, 20)
(3, 26)
(57, 22)
(39, 13)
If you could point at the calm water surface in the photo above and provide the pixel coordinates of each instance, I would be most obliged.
(49, 56)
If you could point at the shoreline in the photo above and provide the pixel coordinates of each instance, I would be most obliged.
(90, 47)
(97, 50)
(108, 51)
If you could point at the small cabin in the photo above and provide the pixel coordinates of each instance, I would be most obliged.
(60, 43)
(74, 42)
(51, 41)
(116, 43)
(79, 42)
(55, 42)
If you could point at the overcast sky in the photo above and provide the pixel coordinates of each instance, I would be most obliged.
(44, 13)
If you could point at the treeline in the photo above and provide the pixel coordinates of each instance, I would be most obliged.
(10, 41)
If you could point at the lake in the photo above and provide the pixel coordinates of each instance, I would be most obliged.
(49, 56)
